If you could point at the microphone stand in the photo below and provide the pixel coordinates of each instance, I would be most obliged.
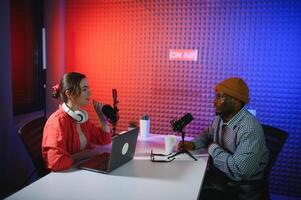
(182, 149)
(114, 130)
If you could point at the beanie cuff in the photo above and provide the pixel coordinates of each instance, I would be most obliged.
(230, 92)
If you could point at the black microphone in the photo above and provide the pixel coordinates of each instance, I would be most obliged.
(115, 101)
(110, 113)
(178, 125)
(114, 93)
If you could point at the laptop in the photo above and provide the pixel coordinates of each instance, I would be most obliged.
(123, 150)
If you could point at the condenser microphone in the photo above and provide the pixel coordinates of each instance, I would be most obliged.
(178, 125)
(114, 93)
(115, 101)
(110, 113)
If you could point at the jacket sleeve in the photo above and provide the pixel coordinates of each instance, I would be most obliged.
(98, 136)
(54, 146)
(204, 139)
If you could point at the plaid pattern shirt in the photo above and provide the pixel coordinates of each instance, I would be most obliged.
(244, 154)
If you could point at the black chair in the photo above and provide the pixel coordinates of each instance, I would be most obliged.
(31, 135)
(275, 139)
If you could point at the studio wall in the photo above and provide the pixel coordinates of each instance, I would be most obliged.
(126, 44)
(54, 25)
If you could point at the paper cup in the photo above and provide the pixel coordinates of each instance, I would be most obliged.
(170, 143)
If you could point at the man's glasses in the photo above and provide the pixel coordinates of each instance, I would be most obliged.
(152, 156)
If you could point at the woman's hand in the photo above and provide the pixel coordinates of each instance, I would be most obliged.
(83, 155)
(101, 118)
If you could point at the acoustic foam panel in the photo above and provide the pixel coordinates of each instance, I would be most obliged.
(125, 45)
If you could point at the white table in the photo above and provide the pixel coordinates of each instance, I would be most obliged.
(138, 179)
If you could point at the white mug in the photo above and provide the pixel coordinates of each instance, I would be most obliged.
(170, 143)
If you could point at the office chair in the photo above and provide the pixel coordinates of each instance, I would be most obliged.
(31, 135)
(275, 139)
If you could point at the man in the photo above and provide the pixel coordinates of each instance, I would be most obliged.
(236, 145)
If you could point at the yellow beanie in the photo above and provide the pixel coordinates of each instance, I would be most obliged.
(234, 87)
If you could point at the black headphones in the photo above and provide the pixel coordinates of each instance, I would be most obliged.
(80, 116)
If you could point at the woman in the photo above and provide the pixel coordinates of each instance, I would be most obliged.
(68, 132)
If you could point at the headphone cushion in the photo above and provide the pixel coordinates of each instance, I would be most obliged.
(80, 116)
(83, 115)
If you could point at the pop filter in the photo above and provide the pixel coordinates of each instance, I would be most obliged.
(178, 125)
(110, 113)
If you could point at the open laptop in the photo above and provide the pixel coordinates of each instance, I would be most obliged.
(123, 150)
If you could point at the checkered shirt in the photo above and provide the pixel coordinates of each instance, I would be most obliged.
(244, 154)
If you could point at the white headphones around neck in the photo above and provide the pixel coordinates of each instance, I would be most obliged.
(80, 116)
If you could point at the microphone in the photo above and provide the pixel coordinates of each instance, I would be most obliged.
(114, 93)
(115, 101)
(178, 125)
(110, 113)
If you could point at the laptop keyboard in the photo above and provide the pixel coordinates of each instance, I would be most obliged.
(100, 162)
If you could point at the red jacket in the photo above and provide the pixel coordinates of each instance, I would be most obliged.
(61, 139)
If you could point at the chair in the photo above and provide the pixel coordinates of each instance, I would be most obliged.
(31, 135)
(275, 139)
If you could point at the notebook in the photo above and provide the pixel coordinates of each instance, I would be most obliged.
(123, 150)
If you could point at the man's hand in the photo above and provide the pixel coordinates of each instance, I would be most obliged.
(187, 145)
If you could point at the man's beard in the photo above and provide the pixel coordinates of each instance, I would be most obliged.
(224, 113)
